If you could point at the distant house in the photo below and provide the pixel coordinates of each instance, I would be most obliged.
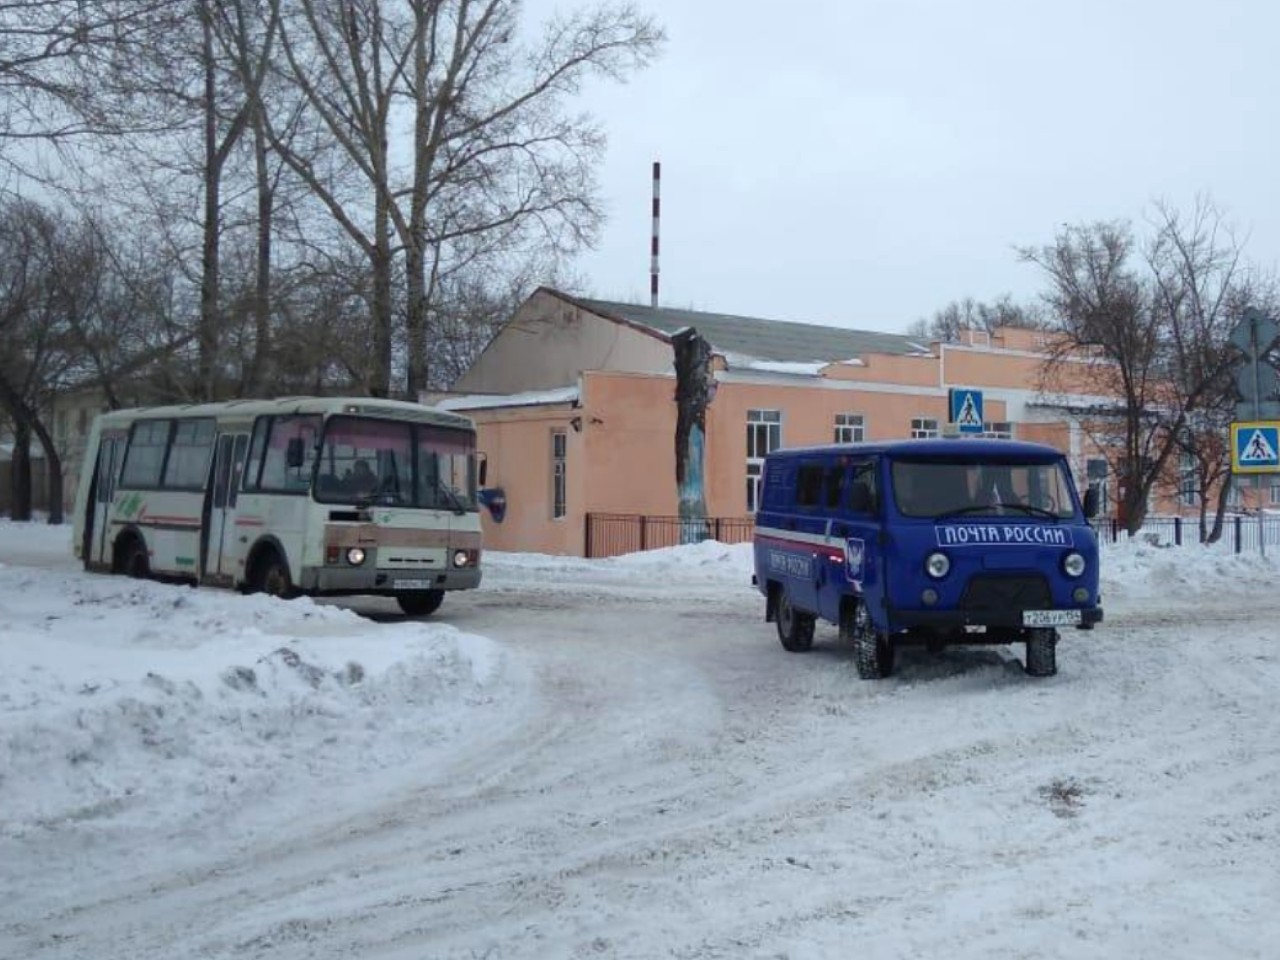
(574, 403)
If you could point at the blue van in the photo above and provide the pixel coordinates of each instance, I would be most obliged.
(929, 542)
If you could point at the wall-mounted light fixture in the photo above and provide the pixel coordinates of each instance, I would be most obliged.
(576, 423)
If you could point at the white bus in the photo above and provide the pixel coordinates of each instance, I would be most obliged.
(318, 496)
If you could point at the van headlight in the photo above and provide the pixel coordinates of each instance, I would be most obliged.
(355, 556)
(1073, 564)
(461, 558)
(937, 565)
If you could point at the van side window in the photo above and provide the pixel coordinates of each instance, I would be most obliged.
(863, 497)
(833, 483)
(809, 485)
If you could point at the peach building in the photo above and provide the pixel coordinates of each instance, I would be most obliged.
(574, 402)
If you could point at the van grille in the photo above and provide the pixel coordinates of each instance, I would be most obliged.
(987, 592)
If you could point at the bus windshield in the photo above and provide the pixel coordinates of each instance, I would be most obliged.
(396, 463)
(954, 487)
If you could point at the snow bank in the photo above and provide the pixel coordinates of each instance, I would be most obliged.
(148, 703)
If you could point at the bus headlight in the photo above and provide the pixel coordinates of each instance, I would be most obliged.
(937, 565)
(355, 556)
(1073, 564)
(461, 558)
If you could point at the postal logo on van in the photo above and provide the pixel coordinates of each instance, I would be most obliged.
(1003, 535)
(855, 553)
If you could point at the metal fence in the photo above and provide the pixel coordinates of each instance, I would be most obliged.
(1240, 533)
(611, 534)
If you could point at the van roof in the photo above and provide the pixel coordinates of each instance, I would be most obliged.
(951, 448)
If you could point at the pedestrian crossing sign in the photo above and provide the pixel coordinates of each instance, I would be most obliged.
(966, 410)
(1255, 446)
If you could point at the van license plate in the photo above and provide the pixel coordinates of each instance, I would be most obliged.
(1050, 618)
(411, 584)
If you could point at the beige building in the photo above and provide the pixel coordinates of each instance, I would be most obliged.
(574, 400)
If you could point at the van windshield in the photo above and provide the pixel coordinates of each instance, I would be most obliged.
(956, 487)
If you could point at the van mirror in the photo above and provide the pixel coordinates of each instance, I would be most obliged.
(295, 454)
(483, 470)
(1091, 502)
(860, 499)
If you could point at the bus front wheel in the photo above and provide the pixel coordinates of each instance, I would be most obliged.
(271, 576)
(420, 603)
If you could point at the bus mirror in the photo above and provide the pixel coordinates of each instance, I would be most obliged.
(295, 453)
(495, 500)
(1091, 502)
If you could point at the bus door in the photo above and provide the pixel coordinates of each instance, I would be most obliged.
(220, 531)
(110, 453)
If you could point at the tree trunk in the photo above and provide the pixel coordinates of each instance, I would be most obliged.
(262, 279)
(20, 471)
(53, 474)
(695, 387)
(207, 341)
(383, 307)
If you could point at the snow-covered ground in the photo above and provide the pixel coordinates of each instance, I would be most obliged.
(617, 759)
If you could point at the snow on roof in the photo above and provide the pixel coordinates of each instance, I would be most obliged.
(530, 398)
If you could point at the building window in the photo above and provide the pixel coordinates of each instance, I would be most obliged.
(764, 434)
(850, 428)
(998, 430)
(924, 428)
(1095, 473)
(1188, 488)
(559, 451)
(1275, 491)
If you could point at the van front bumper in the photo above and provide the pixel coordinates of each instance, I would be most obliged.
(900, 619)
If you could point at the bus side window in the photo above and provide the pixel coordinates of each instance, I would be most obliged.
(253, 466)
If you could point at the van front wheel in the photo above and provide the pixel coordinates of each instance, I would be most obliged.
(795, 629)
(871, 648)
(1042, 652)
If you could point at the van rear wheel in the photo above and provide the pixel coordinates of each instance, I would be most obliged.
(795, 629)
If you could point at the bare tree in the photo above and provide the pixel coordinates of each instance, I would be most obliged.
(1155, 323)
(948, 323)
(45, 47)
(494, 157)
(1102, 308)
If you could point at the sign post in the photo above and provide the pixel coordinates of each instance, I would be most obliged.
(1254, 438)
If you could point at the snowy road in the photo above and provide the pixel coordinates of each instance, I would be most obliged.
(636, 769)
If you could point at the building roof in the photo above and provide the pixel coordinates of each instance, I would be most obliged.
(773, 340)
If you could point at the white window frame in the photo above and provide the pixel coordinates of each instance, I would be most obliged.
(998, 430)
(850, 428)
(924, 428)
(760, 442)
(559, 474)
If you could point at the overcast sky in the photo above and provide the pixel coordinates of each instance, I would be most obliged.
(863, 163)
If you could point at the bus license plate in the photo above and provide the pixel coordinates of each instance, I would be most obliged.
(411, 584)
(1050, 618)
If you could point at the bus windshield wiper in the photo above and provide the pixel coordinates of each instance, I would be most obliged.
(454, 500)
